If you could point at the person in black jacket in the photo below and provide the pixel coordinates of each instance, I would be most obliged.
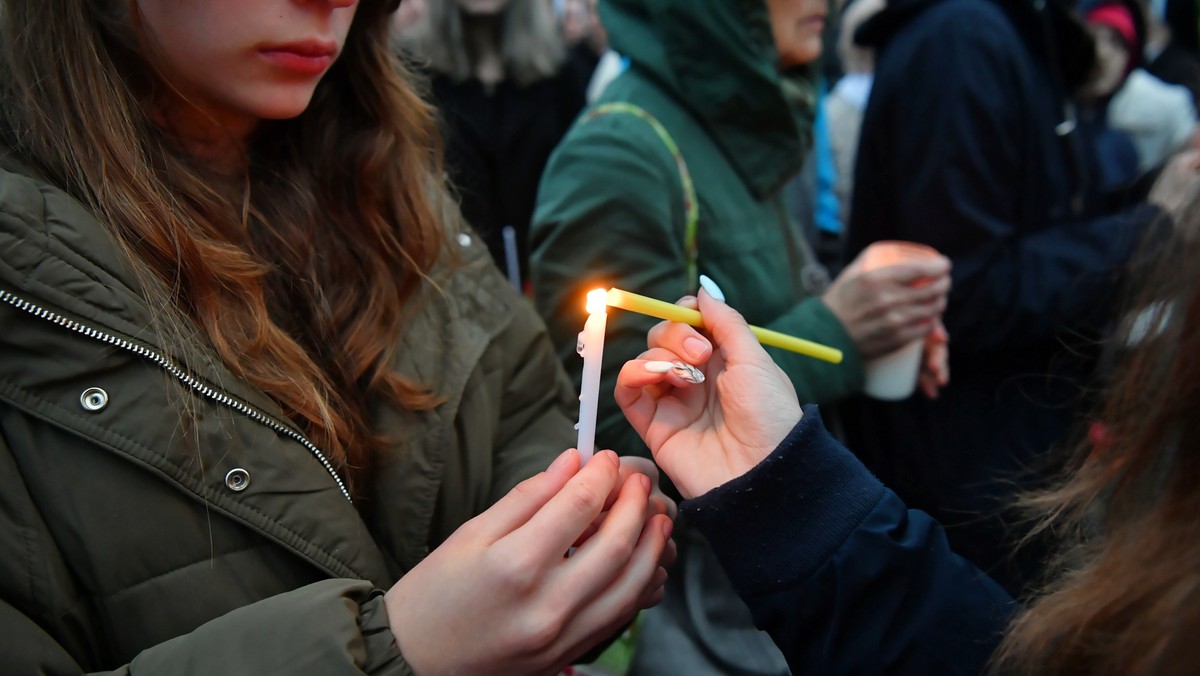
(970, 144)
(832, 565)
(846, 579)
(508, 89)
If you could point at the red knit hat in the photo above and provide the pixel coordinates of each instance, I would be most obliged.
(1118, 17)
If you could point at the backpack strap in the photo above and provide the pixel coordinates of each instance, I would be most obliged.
(690, 204)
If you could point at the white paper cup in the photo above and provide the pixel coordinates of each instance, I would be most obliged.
(893, 376)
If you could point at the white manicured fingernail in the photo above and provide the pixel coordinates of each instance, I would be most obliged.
(711, 287)
(659, 366)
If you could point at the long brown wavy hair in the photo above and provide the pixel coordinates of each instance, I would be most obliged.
(1124, 592)
(300, 271)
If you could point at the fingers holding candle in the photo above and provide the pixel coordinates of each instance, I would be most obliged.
(686, 346)
(686, 315)
(637, 468)
(703, 434)
(689, 302)
(642, 581)
(670, 363)
(505, 568)
(644, 574)
(620, 568)
(569, 513)
(682, 339)
(617, 535)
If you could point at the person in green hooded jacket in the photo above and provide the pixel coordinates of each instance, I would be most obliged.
(266, 406)
(676, 173)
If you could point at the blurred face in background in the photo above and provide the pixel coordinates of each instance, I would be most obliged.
(237, 62)
(797, 26)
(580, 22)
(481, 7)
(1112, 63)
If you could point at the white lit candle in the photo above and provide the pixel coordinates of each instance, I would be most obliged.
(591, 346)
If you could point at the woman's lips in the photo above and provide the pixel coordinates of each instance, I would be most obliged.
(308, 57)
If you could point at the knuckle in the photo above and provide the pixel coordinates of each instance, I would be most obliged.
(618, 552)
(737, 316)
(517, 571)
(539, 630)
(528, 488)
(586, 500)
(470, 530)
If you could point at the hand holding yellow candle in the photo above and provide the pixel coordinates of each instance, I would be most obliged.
(675, 313)
(591, 348)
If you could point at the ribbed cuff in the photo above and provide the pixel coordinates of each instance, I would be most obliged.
(382, 654)
(782, 520)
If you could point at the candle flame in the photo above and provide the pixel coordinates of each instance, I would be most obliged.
(597, 301)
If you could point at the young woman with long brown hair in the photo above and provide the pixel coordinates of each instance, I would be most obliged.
(253, 369)
(848, 580)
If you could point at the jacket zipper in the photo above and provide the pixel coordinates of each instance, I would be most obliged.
(179, 374)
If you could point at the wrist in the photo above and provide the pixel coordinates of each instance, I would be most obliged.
(392, 606)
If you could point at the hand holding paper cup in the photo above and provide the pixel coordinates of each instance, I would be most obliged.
(893, 376)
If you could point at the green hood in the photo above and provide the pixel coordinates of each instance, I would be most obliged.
(718, 58)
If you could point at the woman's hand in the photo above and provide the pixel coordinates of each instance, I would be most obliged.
(889, 307)
(704, 434)
(659, 503)
(500, 596)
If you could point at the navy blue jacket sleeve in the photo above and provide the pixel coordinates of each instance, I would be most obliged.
(840, 573)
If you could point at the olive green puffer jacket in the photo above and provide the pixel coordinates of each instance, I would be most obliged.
(158, 515)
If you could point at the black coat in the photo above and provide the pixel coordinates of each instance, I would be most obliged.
(842, 575)
(967, 145)
(498, 140)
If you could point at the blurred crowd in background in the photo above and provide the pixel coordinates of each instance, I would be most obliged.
(1035, 145)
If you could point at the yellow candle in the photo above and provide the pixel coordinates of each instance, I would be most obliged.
(675, 313)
